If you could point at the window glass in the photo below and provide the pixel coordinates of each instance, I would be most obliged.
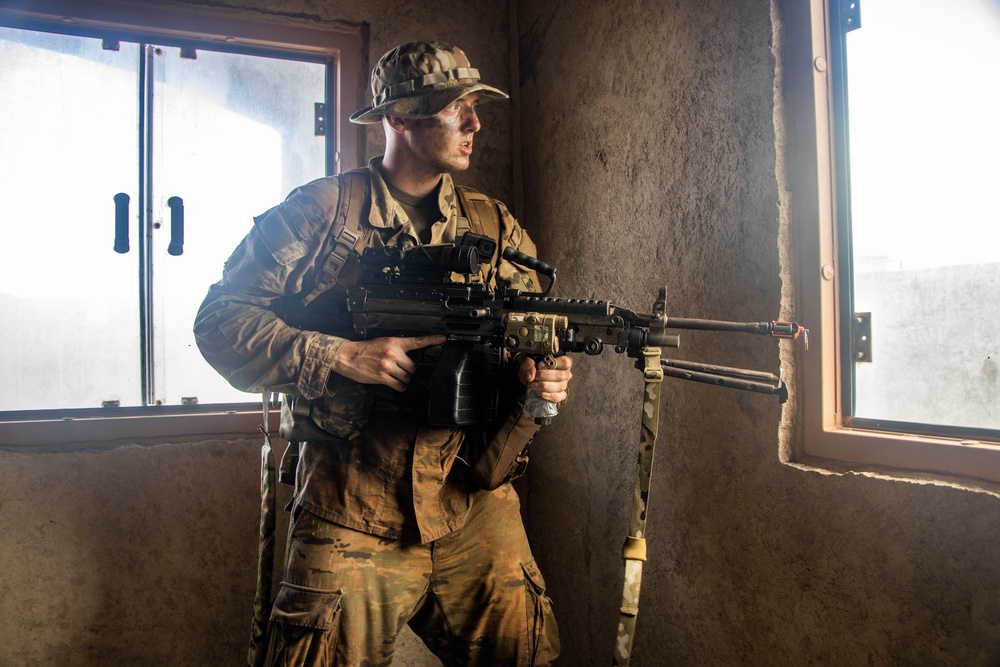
(68, 145)
(232, 134)
(923, 102)
(223, 136)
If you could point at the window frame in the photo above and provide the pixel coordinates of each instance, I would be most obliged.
(824, 435)
(244, 31)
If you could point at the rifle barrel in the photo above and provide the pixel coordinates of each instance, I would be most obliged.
(777, 329)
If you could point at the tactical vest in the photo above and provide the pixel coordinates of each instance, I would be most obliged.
(478, 215)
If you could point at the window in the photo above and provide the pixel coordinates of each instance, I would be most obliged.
(903, 278)
(132, 161)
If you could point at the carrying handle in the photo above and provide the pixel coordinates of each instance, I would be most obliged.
(176, 247)
(121, 223)
(529, 262)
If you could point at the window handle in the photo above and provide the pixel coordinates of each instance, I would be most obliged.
(121, 223)
(176, 247)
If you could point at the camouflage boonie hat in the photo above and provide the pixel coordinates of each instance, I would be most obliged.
(419, 79)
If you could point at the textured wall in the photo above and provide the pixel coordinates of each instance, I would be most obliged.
(649, 158)
(135, 556)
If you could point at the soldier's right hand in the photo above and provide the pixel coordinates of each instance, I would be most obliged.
(381, 360)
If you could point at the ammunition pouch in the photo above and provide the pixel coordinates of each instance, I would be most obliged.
(504, 457)
(343, 415)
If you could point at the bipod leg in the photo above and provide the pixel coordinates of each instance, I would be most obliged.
(634, 551)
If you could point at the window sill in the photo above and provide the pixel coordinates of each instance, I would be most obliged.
(39, 433)
(969, 462)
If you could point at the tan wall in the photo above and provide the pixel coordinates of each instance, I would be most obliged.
(649, 158)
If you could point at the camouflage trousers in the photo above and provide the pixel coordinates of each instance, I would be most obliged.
(475, 596)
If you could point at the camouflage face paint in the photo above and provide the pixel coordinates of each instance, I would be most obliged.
(444, 141)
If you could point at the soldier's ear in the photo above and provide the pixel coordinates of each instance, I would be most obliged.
(395, 123)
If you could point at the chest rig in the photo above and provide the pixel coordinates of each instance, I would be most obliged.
(350, 234)
(462, 378)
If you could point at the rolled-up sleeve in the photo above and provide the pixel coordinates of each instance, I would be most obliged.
(236, 329)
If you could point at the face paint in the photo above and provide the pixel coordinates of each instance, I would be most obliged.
(444, 141)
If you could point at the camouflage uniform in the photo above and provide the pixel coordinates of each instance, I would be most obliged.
(387, 526)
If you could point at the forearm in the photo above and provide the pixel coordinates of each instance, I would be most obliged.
(236, 328)
(257, 351)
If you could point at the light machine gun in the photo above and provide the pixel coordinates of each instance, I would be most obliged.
(412, 291)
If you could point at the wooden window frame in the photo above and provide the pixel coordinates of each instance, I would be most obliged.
(821, 436)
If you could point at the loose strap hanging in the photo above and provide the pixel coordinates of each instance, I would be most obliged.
(634, 551)
(265, 555)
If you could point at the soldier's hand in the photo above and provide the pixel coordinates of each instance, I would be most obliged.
(553, 383)
(381, 360)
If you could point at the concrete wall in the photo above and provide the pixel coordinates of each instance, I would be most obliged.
(649, 159)
(649, 152)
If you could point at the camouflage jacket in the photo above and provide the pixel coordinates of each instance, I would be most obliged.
(395, 476)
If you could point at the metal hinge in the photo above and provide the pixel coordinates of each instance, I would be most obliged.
(851, 15)
(862, 329)
(320, 119)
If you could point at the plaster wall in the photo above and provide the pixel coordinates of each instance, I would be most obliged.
(649, 156)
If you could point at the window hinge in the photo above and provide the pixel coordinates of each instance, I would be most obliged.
(862, 327)
(851, 15)
(320, 119)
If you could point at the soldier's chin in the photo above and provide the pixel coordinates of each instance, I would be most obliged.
(461, 164)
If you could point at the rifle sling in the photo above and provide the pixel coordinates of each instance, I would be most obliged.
(634, 551)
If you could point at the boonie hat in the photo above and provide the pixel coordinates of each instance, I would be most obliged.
(419, 79)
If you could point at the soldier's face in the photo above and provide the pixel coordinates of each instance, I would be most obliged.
(444, 141)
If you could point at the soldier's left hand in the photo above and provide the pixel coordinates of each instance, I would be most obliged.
(553, 383)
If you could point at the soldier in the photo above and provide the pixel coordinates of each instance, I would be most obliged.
(389, 523)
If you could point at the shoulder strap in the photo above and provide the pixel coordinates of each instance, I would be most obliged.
(350, 234)
(481, 212)
(355, 198)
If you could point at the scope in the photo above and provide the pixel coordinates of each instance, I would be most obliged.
(430, 263)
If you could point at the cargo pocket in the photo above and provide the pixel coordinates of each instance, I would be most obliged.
(542, 630)
(303, 627)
